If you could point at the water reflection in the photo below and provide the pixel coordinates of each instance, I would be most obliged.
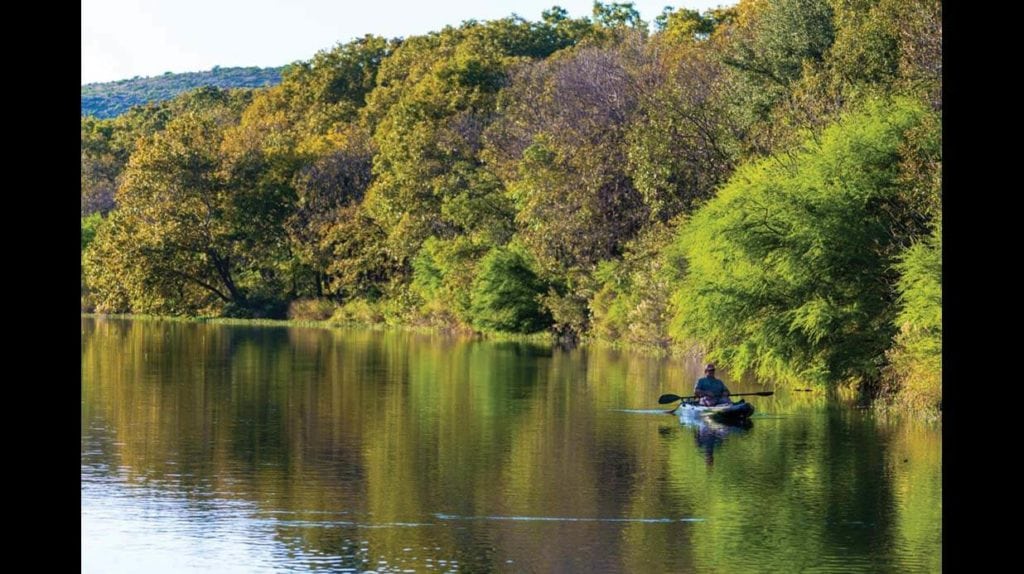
(311, 449)
(709, 435)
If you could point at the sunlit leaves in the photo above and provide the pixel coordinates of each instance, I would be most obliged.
(790, 267)
(916, 358)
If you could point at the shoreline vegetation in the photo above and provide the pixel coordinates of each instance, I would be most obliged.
(763, 181)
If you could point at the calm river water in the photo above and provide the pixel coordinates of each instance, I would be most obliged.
(209, 448)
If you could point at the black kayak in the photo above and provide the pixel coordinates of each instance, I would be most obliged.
(731, 413)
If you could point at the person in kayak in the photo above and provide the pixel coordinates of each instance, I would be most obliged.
(709, 390)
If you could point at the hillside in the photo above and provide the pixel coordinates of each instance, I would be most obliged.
(110, 99)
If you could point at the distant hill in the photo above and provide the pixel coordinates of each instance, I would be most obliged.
(109, 99)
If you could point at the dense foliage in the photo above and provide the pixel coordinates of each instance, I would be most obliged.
(762, 181)
(790, 265)
(915, 360)
(111, 99)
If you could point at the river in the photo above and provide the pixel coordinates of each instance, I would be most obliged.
(213, 448)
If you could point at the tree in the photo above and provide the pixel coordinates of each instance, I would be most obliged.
(771, 47)
(559, 149)
(101, 166)
(443, 275)
(506, 294)
(790, 269)
(776, 39)
(183, 238)
(436, 96)
(684, 25)
(685, 140)
(632, 302)
(299, 146)
(333, 86)
(618, 15)
(886, 46)
(914, 373)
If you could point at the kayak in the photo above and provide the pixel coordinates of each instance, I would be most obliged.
(730, 413)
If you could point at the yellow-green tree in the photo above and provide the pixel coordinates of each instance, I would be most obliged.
(790, 269)
(184, 239)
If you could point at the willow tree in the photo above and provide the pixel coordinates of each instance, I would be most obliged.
(914, 375)
(791, 268)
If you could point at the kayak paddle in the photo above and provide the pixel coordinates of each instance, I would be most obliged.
(670, 398)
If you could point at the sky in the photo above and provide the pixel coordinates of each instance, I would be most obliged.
(126, 38)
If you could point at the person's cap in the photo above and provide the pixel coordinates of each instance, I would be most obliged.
(710, 367)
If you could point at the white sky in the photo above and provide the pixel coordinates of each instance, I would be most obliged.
(126, 38)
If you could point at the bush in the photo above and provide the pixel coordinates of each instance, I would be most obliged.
(506, 295)
(358, 311)
(89, 226)
(632, 303)
(311, 309)
(443, 272)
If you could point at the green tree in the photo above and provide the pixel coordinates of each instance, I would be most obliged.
(683, 24)
(299, 144)
(506, 294)
(332, 87)
(685, 141)
(790, 268)
(436, 95)
(559, 149)
(771, 46)
(443, 273)
(89, 226)
(885, 46)
(914, 375)
(359, 264)
(777, 39)
(101, 166)
(184, 239)
(618, 15)
(632, 303)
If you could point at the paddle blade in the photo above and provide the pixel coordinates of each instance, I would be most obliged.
(764, 393)
(666, 399)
